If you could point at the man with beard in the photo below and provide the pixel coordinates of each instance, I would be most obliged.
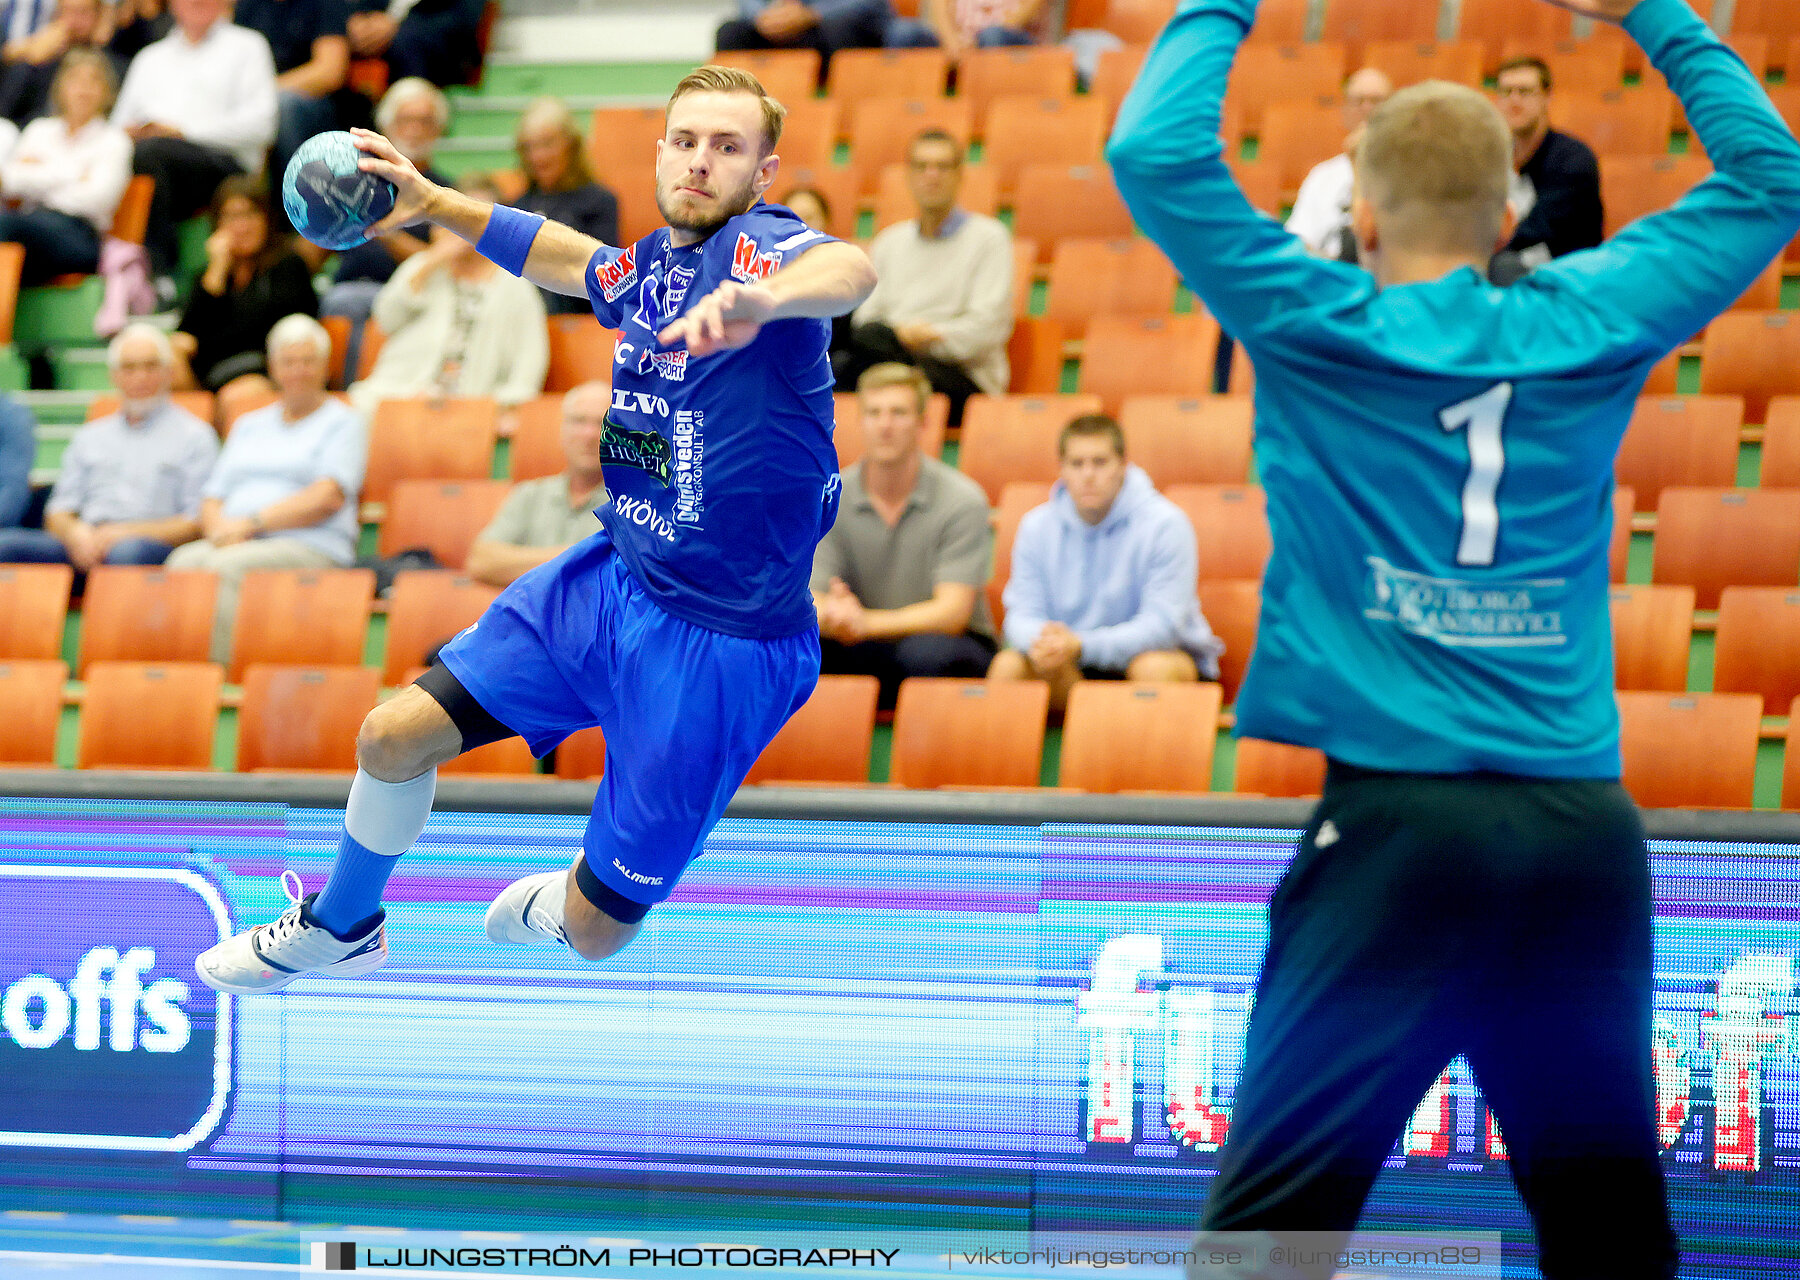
(684, 628)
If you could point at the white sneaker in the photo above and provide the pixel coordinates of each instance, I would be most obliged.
(270, 956)
(530, 911)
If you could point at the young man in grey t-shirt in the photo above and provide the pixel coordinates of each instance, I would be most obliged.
(898, 580)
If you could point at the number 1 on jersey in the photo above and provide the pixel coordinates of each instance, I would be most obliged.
(1483, 416)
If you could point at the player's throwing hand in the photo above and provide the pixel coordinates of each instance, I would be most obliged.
(727, 318)
(412, 190)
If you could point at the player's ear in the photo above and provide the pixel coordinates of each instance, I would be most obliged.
(1362, 223)
(765, 174)
(1509, 223)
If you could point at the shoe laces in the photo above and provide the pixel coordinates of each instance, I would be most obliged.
(288, 923)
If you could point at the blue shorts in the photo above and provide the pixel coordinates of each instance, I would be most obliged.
(686, 711)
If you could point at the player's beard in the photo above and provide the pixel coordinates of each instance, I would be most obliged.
(701, 225)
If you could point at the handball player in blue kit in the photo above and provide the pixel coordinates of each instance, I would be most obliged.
(684, 628)
(1438, 454)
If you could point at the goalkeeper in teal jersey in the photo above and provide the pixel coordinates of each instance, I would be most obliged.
(1438, 460)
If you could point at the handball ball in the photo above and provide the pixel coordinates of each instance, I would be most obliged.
(328, 199)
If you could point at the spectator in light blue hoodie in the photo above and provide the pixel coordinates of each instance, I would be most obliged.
(1103, 577)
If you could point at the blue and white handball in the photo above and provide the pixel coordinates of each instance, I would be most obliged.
(328, 199)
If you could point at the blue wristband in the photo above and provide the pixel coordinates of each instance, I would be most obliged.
(507, 240)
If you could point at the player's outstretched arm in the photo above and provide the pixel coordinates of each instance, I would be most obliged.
(558, 256)
(1669, 274)
(1169, 164)
(825, 281)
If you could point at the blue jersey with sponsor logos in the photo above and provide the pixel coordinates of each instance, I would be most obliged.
(720, 471)
(1438, 457)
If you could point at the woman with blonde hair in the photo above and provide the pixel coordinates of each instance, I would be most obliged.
(68, 173)
(561, 186)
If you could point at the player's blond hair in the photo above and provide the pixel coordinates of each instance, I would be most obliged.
(716, 79)
(1436, 163)
(894, 374)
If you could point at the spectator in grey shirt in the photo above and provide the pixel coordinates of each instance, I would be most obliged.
(543, 518)
(129, 490)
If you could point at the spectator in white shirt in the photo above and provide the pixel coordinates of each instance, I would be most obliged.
(68, 173)
(1321, 216)
(200, 104)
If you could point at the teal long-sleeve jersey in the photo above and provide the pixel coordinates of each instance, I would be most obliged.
(1438, 457)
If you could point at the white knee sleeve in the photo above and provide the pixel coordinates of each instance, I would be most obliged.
(388, 817)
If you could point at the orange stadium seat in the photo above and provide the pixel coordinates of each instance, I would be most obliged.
(840, 187)
(1007, 438)
(1138, 21)
(1230, 526)
(979, 193)
(1296, 136)
(1189, 439)
(1270, 73)
(34, 602)
(12, 264)
(337, 328)
(848, 434)
(1619, 551)
(887, 73)
(810, 133)
(1024, 254)
(507, 758)
(1032, 130)
(1117, 72)
(1781, 444)
(985, 74)
(309, 617)
(1754, 354)
(582, 755)
(828, 739)
(1497, 23)
(419, 439)
(536, 447)
(622, 144)
(31, 692)
(373, 337)
(147, 715)
(1763, 17)
(442, 516)
(1035, 356)
(1665, 376)
(1790, 773)
(1759, 52)
(198, 403)
(1135, 736)
(1624, 122)
(1017, 498)
(1055, 202)
(1161, 355)
(969, 733)
(1278, 769)
(580, 351)
(426, 608)
(1651, 630)
(146, 614)
(1231, 606)
(299, 717)
(1757, 646)
(1690, 750)
(1088, 278)
(1408, 62)
(1718, 538)
(1632, 187)
(787, 75)
(1685, 440)
(1280, 22)
(1261, 185)
(1764, 293)
(1359, 22)
(882, 131)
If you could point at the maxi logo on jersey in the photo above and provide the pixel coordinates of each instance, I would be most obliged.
(750, 264)
(618, 275)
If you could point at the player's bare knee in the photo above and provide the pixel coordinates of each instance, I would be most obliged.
(389, 747)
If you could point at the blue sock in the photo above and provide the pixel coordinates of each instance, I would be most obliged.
(353, 893)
